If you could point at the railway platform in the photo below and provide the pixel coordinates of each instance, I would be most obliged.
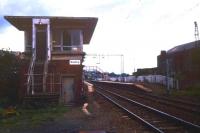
(135, 85)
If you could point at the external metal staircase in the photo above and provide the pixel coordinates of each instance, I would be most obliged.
(37, 92)
(30, 76)
(37, 75)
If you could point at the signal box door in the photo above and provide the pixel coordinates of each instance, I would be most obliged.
(68, 89)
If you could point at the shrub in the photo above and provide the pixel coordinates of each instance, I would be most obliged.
(9, 76)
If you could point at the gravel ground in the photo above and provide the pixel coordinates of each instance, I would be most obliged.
(102, 116)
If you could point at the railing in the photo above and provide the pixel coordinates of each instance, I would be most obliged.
(30, 78)
(28, 48)
(63, 48)
(60, 48)
(52, 82)
(45, 72)
(94, 72)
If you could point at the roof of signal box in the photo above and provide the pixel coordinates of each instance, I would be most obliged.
(86, 24)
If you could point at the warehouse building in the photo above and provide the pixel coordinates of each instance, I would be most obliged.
(182, 63)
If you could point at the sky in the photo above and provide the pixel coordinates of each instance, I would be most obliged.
(136, 30)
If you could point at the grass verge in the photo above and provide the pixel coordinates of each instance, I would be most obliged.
(193, 92)
(30, 118)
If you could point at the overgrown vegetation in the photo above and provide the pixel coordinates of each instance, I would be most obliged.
(189, 92)
(9, 77)
(29, 118)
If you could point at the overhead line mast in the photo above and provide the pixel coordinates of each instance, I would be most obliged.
(196, 32)
(109, 55)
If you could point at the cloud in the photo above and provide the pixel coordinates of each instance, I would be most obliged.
(12, 39)
(23, 7)
(135, 28)
(20, 7)
(3, 24)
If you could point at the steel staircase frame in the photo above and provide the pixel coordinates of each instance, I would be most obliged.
(30, 79)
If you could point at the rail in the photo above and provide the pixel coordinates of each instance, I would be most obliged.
(131, 113)
(191, 126)
(190, 107)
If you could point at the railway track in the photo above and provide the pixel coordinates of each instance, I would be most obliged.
(185, 110)
(195, 106)
(157, 120)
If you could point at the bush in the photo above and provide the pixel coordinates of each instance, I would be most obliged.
(9, 76)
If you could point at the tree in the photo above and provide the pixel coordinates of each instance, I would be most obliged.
(9, 75)
(112, 74)
(124, 74)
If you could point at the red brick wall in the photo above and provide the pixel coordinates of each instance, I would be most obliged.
(60, 69)
(63, 69)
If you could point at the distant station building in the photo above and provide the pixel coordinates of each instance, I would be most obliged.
(182, 63)
(53, 55)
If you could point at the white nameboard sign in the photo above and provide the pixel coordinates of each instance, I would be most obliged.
(74, 62)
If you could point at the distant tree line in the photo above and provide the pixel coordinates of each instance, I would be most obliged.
(112, 74)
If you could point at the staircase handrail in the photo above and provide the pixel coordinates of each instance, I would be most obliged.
(30, 70)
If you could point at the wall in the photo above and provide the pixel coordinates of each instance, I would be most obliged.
(183, 64)
(63, 69)
(158, 79)
(60, 68)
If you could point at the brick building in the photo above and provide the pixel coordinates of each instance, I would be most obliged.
(182, 63)
(53, 55)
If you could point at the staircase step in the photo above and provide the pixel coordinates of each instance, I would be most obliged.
(41, 99)
(39, 62)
